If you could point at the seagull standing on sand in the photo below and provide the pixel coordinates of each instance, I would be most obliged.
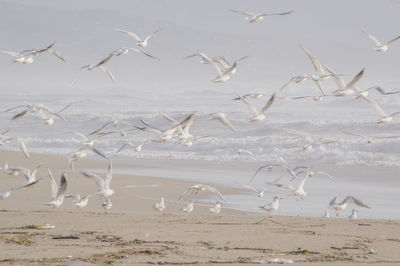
(273, 206)
(353, 214)
(379, 46)
(159, 205)
(254, 17)
(107, 204)
(103, 185)
(216, 208)
(189, 207)
(139, 41)
(57, 192)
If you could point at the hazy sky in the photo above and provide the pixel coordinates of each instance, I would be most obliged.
(331, 30)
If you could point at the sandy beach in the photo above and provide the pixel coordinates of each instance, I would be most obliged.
(132, 232)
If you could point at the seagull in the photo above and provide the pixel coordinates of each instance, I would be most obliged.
(383, 92)
(159, 205)
(57, 192)
(27, 56)
(326, 214)
(379, 46)
(103, 185)
(254, 17)
(101, 66)
(216, 208)
(367, 138)
(107, 204)
(207, 60)
(273, 206)
(259, 115)
(385, 117)
(20, 142)
(139, 42)
(114, 123)
(169, 133)
(260, 193)
(322, 75)
(223, 119)
(370, 139)
(250, 95)
(79, 201)
(89, 144)
(4, 167)
(137, 148)
(353, 214)
(349, 88)
(74, 156)
(40, 110)
(200, 187)
(7, 193)
(189, 207)
(29, 176)
(338, 206)
(226, 74)
(125, 50)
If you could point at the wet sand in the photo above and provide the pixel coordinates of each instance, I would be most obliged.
(132, 232)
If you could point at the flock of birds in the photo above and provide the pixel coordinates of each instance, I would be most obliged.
(179, 130)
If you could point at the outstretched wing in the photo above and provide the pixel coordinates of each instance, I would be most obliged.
(99, 181)
(131, 34)
(375, 40)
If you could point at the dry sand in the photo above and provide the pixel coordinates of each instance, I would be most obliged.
(132, 232)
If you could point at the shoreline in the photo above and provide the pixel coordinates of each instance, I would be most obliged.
(132, 232)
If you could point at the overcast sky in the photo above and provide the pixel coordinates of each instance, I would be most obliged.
(331, 30)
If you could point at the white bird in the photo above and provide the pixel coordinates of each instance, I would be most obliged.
(385, 117)
(189, 207)
(250, 95)
(345, 89)
(30, 177)
(101, 66)
(57, 192)
(160, 205)
(4, 167)
(380, 47)
(273, 206)
(370, 139)
(79, 201)
(254, 17)
(338, 206)
(89, 144)
(326, 214)
(19, 141)
(137, 148)
(260, 193)
(258, 115)
(200, 187)
(43, 112)
(223, 119)
(353, 214)
(7, 193)
(139, 41)
(103, 185)
(113, 123)
(27, 56)
(226, 74)
(107, 204)
(322, 75)
(216, 208)
(125, 50)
